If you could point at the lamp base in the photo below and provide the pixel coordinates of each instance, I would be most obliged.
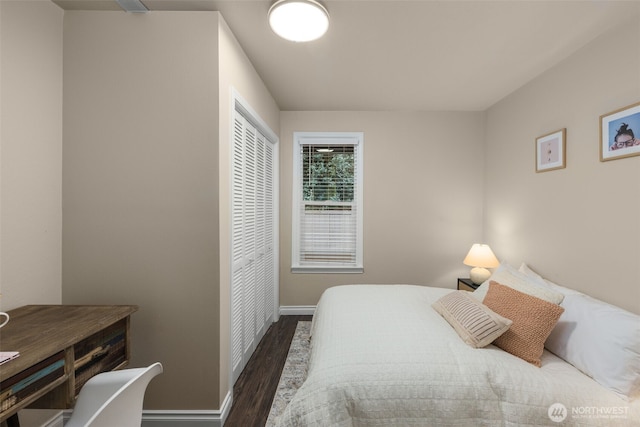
(478, 275)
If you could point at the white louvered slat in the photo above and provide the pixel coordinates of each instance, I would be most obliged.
(237, 310)
(249, 286)
(249, 235)
(237, 321)
(259, 244)
(237, 191)
(269, 231)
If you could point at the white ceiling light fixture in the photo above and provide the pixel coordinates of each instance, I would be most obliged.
(135, 6)
(298, 20)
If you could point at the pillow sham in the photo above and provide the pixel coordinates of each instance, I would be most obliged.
(509, 276)
(524, 269)
(601, 340)
(474, 322)
(533, 320)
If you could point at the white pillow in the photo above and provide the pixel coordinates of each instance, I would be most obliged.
(524, 268)
(509, 276)
(601, 340)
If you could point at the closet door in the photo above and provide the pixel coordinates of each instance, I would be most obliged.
(249, 240)
(260, 237)
(270, 285)
(237, 247)
(253, 240)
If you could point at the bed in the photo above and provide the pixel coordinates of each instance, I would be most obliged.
(382, 356)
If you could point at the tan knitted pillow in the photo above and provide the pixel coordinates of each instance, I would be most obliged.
(533, 320)
(476, 324)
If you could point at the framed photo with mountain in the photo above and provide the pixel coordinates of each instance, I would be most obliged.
(620, 133)
(551, 151)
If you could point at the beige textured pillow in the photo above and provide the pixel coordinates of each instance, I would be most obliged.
(533, 321)
(476, 324)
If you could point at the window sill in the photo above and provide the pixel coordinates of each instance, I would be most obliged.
(327, 270)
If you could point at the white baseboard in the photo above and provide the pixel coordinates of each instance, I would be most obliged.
(178, 418)
(297, 310)
(184, 418)
(193, 418)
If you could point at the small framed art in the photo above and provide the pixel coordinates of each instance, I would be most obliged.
(620, 133)
(551, 151)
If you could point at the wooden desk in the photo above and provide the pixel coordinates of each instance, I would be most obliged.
(61, 347)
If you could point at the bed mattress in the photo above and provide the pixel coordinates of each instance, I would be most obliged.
(382, 356)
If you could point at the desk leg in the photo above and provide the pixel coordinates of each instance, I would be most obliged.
(13, 421)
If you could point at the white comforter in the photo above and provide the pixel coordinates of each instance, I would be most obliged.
(381, 356)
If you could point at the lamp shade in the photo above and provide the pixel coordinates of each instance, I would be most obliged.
(298, 20)
(481, 256)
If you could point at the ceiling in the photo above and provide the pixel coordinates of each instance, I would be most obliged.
(445, 55)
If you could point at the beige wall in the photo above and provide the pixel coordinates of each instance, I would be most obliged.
(146, 196)
(422, 197)
(236, 72)
(140, 188)
(31, 147)
(579, 226)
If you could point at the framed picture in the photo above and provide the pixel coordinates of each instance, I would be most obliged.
(551, 151)
(620, 133)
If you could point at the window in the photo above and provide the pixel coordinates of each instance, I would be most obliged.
(327, 202)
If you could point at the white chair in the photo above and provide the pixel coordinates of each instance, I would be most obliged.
(113, 399)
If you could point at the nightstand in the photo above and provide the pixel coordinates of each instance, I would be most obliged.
(467, 285)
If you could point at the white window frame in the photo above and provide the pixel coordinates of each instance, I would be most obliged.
(327, 138)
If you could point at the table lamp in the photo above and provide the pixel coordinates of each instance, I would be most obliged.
(480, 257)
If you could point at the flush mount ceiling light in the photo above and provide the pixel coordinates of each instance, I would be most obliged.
(298, 20)
(132, 6)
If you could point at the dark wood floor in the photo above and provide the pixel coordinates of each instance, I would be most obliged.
(256, 386)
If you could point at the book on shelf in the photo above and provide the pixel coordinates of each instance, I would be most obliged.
(103, 351)
(106, 360)
(32, 379)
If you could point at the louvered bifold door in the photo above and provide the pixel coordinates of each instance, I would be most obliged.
(260, 235)
(253, 269)
(250, 228)
(269, 232)
(237, 247)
